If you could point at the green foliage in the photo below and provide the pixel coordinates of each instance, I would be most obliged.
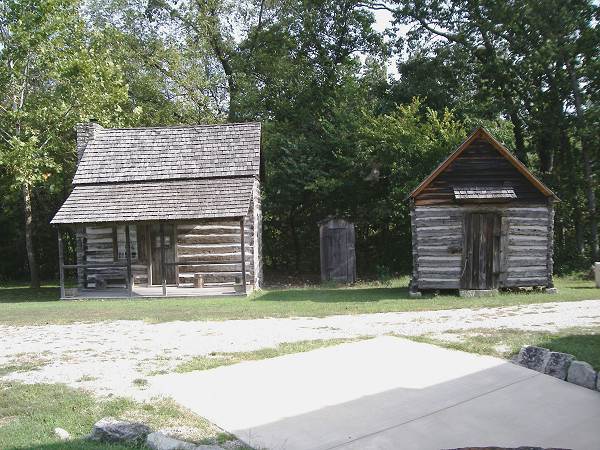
(340, 137)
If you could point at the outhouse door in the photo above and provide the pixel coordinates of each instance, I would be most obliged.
(169, 239)
(338, 254)
(481, 251)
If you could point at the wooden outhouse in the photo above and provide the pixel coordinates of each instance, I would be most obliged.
(164, 211)
(481, 221)
(338, 258)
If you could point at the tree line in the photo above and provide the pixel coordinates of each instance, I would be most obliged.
(341, 135)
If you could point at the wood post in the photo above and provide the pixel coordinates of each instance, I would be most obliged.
(243, 245)
(163, 272)
(61, 263)
(550, 255)
(128, 255)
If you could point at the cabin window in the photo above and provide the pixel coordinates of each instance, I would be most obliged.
(120, 249)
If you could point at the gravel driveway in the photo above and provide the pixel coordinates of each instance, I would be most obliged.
(112, 357)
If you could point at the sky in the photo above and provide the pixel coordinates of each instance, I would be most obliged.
(383, 20)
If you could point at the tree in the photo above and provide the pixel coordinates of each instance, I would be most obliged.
(535, 57)
(51, 77)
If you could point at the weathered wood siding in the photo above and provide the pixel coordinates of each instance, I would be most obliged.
(338, 254)
(99, 249)
(217, 244)
(438, 243)
(479, 165)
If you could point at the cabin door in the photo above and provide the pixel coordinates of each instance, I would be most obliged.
(169, 231)
(481, 251)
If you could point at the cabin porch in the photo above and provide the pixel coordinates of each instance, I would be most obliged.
(152, 292)
(166, 258)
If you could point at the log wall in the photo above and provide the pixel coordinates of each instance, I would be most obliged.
(216, 243)
(526, 245)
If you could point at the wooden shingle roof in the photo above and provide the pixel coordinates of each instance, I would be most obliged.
(157, 200)
(164, 173)
(138, 154)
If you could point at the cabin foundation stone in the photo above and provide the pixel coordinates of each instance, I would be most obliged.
(474, 293)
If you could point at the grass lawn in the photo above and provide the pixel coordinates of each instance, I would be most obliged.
(24, 306)
(583, 343)
(218, 359)
(29, 414)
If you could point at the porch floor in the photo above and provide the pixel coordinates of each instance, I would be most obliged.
(152, 291)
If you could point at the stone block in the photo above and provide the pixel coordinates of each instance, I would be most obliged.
(532, 357)
(159, 441)
(471, 293)
(113, 430)
(583, 374)
(558, 364)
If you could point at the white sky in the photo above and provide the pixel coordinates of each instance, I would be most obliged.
(383, 20)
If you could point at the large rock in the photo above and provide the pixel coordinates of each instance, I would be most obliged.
(113, 430)
(583, 374)
(532, 357)
(558, 364)
(159, 441)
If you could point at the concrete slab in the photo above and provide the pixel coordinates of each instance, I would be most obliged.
(389, 393)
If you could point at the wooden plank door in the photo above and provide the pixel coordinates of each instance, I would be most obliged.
(169, 230)
(336, 257)
(481, 252)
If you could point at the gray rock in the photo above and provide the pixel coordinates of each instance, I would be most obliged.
(159, 441)
(113, 430)
(558, 364)
(583, 374)
(532, 357)
(62, 434)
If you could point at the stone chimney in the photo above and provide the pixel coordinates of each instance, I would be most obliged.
(85, 133)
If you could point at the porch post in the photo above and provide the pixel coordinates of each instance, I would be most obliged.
(128, 255)
(61, 263)
(163, 272)
(243, 245)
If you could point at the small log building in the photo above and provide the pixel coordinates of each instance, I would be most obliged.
(481, 221)
(166, 207)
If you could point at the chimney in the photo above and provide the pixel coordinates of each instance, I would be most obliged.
(86, 133)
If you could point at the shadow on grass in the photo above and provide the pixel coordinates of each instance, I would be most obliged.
(585, 347)
(363, 295)
(27, 294)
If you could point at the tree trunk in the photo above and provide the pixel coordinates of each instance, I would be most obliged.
(519, 139)
(31, 260)
(579, 238)
(591, 200)
(588, 174)
(295, 241)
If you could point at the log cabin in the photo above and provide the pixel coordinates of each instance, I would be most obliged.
(481, 221)
(164, 211)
